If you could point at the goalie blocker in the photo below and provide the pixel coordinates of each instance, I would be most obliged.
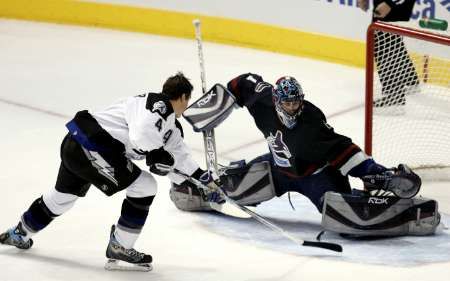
(211, 109)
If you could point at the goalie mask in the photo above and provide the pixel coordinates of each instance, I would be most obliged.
(288, 100)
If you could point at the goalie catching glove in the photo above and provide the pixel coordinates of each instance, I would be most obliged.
(401, 181)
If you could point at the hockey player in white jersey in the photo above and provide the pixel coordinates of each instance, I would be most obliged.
(99, 150)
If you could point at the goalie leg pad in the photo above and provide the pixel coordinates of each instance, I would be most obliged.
(187, 198)
(250, 184)
(365, 215)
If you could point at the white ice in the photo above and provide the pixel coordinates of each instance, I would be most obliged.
(48, 72)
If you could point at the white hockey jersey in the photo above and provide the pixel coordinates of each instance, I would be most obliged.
(144, 123)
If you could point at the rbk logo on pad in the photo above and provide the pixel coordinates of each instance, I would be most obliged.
(206, 99)
(376, 200)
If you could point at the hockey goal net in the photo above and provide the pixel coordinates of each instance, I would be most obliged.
(408, 99)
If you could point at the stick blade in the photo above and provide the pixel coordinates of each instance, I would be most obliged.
(324, 245)
(229, 210)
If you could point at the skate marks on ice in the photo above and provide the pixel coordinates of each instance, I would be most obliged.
(43, 264)
(304, 222)
(47, 258)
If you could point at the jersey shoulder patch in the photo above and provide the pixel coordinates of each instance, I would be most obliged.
(158, 103)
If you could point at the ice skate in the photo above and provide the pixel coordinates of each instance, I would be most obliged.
(120, 258)
(14, 237)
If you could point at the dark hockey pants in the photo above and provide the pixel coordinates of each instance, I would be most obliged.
(313, 187)
(110, 171)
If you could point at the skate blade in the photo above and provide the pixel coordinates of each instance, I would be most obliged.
(112, 265)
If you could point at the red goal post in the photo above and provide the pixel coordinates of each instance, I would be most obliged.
(407, 107)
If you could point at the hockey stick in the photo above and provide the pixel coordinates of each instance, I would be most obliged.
(225, 208)
(318, 244)
(208, 136)
(198, 38)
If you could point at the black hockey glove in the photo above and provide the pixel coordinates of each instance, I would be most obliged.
(401, 181)
(214, 194)
(160, 161)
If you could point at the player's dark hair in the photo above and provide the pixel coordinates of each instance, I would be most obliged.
(177, 85)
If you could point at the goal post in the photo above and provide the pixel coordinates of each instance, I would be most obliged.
(407, 107)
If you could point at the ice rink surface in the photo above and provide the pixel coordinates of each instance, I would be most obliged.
(48, 72)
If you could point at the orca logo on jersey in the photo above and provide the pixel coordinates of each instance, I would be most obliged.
(159, 106)
(279, 149)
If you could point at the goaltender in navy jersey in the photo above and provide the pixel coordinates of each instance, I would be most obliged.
(303, 150)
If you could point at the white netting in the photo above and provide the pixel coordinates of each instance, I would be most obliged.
(411, 109)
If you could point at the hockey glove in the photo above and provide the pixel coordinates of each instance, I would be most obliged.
(213, 194)
(160, 161)
(401, 181)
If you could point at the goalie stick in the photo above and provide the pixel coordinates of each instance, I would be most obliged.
(209, 138)
(208, 135)
(271, 225)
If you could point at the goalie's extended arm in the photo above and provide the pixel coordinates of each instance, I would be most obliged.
(211, 109)
(248, 88)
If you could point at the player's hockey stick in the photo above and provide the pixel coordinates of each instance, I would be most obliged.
(226, 208)
(318, 244)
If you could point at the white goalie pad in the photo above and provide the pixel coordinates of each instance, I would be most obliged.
(365, 215)
(249, 185)
(187, 198)
(211, 109)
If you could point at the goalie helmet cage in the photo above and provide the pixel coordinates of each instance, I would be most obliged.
(407, 108)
